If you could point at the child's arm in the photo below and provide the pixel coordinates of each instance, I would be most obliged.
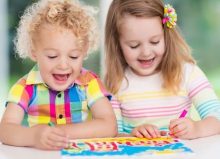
(40, 136)
(208, 126)
(103, 123)
(207, 104)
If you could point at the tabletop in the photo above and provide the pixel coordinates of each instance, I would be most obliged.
(204, 148)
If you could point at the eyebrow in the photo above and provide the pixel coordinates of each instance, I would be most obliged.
(154, 36)
(49, 49)
(52, 49)
(157, 35)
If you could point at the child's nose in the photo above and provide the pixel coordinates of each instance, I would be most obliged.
(63, 63)
(146, 51)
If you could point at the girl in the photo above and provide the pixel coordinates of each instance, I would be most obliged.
(156, 76)
(57, 35)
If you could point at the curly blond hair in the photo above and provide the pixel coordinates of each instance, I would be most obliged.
(69, 14)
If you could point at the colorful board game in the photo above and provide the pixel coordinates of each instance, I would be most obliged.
(123, 147)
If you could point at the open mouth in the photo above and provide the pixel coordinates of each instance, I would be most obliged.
(146, 62)
(61, 77)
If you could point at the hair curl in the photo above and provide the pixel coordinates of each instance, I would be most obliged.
(69, 14)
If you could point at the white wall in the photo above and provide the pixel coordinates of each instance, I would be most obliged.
(4, 60)
(104, 5)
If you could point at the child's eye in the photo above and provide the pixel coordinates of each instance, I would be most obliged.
(51, 57)
(134, 46)
(73, 57)
(154, 42)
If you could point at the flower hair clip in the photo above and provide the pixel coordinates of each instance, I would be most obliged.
(170, 16)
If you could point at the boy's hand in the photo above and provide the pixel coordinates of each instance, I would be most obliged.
(183, 128)
(147, 131)
(49, 138)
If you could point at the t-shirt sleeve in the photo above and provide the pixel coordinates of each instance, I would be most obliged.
(116, 105)
(96, 90)
(19, 95)
(202, 94)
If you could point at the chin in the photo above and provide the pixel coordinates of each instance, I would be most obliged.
(144, 73)
(148, 72)
(61, 88)
(58, 88)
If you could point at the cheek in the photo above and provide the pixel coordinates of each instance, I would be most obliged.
(45, 65)
(44, 68)
(160, 50)
(76, 65)
(128, 53)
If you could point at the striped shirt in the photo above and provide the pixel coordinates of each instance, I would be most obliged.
(43, 105)
(144, 101)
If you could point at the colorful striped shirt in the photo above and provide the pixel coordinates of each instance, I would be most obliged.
(144, 101)
(43, 105)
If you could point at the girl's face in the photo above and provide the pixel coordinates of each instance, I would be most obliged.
(58, 57)
(142, 43)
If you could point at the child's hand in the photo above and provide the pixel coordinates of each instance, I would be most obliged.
(183, 128)
(146, 130)
(49, 138)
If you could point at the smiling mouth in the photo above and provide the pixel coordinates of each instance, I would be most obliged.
(61, 77)
(146, 62)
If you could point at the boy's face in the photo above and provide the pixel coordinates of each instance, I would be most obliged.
(142, 43)
(58, 57)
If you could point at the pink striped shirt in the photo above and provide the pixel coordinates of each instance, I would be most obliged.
(144, 101)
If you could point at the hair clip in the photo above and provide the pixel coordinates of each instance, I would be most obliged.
(170, 16)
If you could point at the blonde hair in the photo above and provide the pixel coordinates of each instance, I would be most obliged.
(69, 14)
(176, 53)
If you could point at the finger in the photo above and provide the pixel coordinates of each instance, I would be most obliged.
(157, 131)
(45, 145)
(53, 148)
(138, 134)
(56, 144)
(134, 132)
(59, 132)
(145, 133)
(175, 122)
(58, 135)
(178, 129)
(181, 134)
(151, 132)
(56, 138)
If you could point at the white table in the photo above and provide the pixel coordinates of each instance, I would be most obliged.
(204, 148)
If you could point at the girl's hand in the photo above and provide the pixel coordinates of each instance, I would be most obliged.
(147, 131)
(183, 128)
(49, 138)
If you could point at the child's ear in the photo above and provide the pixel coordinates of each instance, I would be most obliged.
(85, 50)
(33, 56)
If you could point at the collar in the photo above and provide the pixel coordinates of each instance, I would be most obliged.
(34, 76)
